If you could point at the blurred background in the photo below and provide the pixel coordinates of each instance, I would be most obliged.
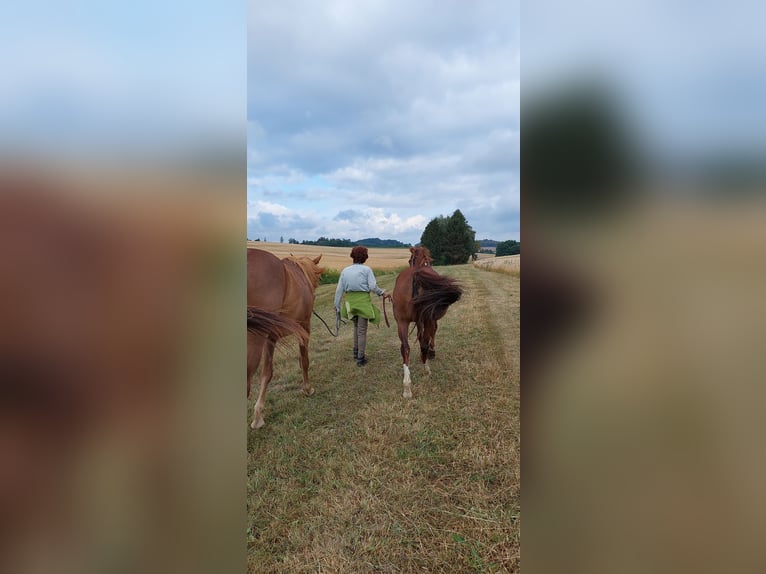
(643, 147)
(122, 193)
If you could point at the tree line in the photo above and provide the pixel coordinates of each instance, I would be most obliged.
(367, 242)
(510, 247)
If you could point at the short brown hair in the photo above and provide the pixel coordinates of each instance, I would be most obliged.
(359, 254)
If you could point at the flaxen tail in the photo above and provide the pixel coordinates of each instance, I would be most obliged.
(273, 326)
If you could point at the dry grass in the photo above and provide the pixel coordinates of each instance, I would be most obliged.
(510, 264)
(357, 479)
(338, 257)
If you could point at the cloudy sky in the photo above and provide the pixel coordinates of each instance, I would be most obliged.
(367, 119)
(103, 78)
(691, 76)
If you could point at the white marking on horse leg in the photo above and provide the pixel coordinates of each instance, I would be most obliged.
(428, 367)
(407, 393)
(258, 421)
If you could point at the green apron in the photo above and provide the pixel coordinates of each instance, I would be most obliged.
(359, 303)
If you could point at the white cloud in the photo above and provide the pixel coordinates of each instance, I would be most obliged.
(351, 174)
(394, 223)
(254, 208)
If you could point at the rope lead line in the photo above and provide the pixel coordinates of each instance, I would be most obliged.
(326, 325)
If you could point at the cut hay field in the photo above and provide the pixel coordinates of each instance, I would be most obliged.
(358, 479)
(337, 258)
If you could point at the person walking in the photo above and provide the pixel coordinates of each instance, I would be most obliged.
(357, 282)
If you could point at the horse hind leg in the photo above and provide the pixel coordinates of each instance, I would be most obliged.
(266, 374)
(405, 349)
(432, 343)
(255, 346)
(307, 389)
(424, 339)
(430, 352)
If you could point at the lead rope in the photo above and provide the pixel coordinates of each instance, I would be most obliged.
(326, 325)
(385, 315)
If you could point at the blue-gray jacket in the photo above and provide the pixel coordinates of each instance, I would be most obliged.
(356, 277)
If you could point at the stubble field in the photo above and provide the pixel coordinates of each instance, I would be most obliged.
(337, 258)
(358, 479)
(503, 264)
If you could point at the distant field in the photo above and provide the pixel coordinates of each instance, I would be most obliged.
(358, 479)
(338, 257)
(505, 264)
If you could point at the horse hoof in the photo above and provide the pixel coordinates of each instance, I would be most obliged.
(256, 425)
(310, 392)
(407, 394)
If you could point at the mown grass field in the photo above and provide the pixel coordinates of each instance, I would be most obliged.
(358, 479)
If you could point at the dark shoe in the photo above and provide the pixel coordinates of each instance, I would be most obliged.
(361, 361)
(356, 354)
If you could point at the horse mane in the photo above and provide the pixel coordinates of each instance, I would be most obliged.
(435, 294)
(310, 270)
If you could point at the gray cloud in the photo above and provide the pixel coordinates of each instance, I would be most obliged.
(347, 215)
(408, 108)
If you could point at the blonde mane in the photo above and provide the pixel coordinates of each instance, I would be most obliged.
(310, 270)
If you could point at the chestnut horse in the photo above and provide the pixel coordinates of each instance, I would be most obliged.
(286, 287)
(421, 296)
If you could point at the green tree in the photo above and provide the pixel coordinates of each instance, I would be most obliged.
(433, 238)
(510, 247)
(459, 240)
(450, 240)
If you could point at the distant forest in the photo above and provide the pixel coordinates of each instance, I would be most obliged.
(367, 242)
(499, 248)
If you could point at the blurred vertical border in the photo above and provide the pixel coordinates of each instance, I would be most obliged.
(122, 225)
(643, 175)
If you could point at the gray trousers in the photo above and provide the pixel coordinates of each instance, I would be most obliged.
(360, 335)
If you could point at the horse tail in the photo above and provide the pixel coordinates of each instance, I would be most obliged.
(273, 326)
(435, 293)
